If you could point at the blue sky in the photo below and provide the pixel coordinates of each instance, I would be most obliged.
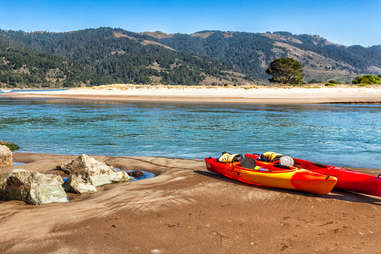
(347, 22)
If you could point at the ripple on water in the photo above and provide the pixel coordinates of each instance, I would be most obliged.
(342, 135)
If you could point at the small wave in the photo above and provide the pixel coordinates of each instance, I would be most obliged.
(5, 90)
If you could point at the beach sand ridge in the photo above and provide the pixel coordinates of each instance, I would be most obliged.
(186, 209)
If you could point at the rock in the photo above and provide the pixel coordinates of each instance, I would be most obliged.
(62, 168)
(6, 158)
(94, 172)
(135, 173)
(76, 184)
(32, 187)
(10, 145)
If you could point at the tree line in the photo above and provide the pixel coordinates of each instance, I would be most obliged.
(97, 56)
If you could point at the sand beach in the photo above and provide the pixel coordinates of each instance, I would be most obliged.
(204, 94)
(186, 209)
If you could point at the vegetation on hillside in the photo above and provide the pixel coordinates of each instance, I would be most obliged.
(118, 57)
(23, 67)
(332, 83)
(247, 51)
(252, 52)
(367, 79)
(106, 55)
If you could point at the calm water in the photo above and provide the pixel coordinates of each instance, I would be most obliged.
(345, 135)
(3, 90)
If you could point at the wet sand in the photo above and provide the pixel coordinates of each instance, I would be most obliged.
(251, 95)
(186, 209)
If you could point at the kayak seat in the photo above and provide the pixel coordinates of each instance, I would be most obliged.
(228, 157)
(248, 163)
(271, 156)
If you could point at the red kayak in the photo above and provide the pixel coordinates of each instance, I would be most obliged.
(346, 179)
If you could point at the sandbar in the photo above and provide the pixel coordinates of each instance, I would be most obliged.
(186, 209)
(202, 94)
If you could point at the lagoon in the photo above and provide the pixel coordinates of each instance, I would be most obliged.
(340, 134)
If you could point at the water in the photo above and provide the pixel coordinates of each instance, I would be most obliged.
(3, 90)
(145, 175)
(343, 135)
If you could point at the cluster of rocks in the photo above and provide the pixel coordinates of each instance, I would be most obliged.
(85, 174)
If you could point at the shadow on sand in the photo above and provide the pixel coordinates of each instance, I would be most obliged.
(336, 194)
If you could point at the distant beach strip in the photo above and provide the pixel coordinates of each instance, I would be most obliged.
(4, 90)
(211, 94)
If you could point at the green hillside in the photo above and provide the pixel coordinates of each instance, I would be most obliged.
(23, 67)
(252, 52)
(125, 57)
(107, 55)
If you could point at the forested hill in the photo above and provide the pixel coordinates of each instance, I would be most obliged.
(252, 52)
(106, 55)
(20, 66)
(118, 56)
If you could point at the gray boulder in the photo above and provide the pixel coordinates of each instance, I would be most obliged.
(76, 184)
(93, 172)
(32, 187)
(6, 158)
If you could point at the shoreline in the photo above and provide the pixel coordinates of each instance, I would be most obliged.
(187, 209)
(233, 95)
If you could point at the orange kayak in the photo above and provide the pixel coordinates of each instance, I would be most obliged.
(291, 178)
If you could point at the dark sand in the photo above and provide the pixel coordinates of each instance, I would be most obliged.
(188, 210)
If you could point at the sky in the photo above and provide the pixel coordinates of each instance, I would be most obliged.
(348, 22)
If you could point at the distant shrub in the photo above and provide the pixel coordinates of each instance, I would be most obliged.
(367, 79)
(329, 84)
(332, 81)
